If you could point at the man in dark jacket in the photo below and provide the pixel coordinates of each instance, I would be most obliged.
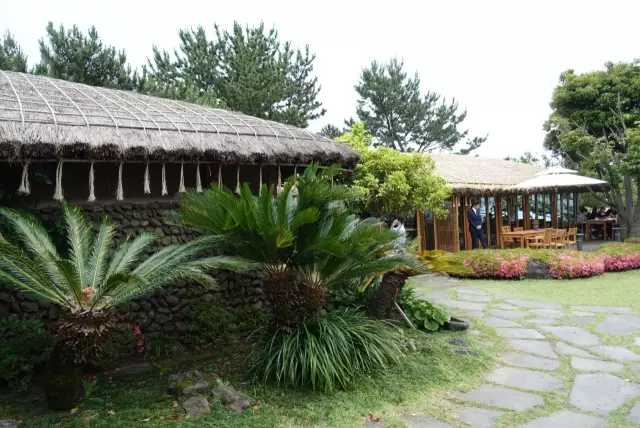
(475, 226)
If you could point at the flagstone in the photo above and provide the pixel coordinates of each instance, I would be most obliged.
(566, 419)
(519, 333)
(617, 353)
(524, 379)
(601, 392)
(537, 347)
(591, 365)
(479, 418)
(529, 361)
(619, 325)
(573, 335)
(503, 398)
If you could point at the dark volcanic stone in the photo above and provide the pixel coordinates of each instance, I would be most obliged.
(537, 270)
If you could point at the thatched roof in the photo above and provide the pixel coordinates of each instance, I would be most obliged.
(45, 118)
(474, 175)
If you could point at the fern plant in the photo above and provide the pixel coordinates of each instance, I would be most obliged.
(92, 277)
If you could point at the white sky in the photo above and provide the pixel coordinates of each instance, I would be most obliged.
(499, 59)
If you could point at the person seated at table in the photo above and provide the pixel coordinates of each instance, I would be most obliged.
(475, 226)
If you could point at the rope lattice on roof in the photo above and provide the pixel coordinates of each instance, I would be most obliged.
(60, 114)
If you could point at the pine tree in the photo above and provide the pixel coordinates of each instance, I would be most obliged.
(392, 107)
(78, 57)
(247, 69)
(11, 56)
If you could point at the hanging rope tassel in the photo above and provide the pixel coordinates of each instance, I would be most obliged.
(120, 189)
(219, 176)
(25, 186)
(92, 192)
(164, 180)
(279, 187)
(260, 182)
(147, 180)
(58, 194)
(238, 179)
(181, 188)
(198, 181)
(295, 173)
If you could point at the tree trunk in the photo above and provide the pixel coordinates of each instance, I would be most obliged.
(381, 304)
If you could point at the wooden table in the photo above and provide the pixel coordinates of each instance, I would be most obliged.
(519, 235)
(604, 222)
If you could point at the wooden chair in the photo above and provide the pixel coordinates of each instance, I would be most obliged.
(506, 241)
(518, 229)
(559, 238)
(572, 236)
(545, 240)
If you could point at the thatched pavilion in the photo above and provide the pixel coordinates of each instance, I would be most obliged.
(62, 140)
(511, 194)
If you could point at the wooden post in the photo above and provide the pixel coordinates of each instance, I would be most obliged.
(487, 217)
(498, 221)
(435, 233)
(467, 234)
(421, 232)
(525, 211)
(456, 225)
(554, 210)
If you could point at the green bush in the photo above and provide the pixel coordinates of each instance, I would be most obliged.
(329, 352)
(423, 314)
(25, 345)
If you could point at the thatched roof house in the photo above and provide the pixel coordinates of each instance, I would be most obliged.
(49, 120)
(470, 175)
(510, 194)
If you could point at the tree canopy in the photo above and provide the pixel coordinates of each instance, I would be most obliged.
(78, 57)
(392, 106)
(388, 182)
(248, 69)
(595, 126)
(11, 56)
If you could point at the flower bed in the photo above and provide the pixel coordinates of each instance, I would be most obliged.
(520, 263)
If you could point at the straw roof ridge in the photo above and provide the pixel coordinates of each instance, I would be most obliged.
(43, 117)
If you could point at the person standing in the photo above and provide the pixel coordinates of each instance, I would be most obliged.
(475, 226)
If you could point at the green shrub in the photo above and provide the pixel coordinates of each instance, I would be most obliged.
(329, 352)
(25, 345)
(423, 314)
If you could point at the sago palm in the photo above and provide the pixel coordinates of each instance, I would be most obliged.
(304, 238)
(92, 277)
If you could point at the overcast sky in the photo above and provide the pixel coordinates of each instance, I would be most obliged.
(499, 59)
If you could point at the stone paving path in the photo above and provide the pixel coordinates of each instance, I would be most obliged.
(565, 366)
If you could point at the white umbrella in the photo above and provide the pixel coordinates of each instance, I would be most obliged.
(562, 178)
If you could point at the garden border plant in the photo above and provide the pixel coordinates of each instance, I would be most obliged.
(516, 263)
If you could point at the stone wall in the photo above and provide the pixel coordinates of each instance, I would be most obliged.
(163, 313)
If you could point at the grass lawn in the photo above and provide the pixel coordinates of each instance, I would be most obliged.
(610, 289)
(440, 364)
